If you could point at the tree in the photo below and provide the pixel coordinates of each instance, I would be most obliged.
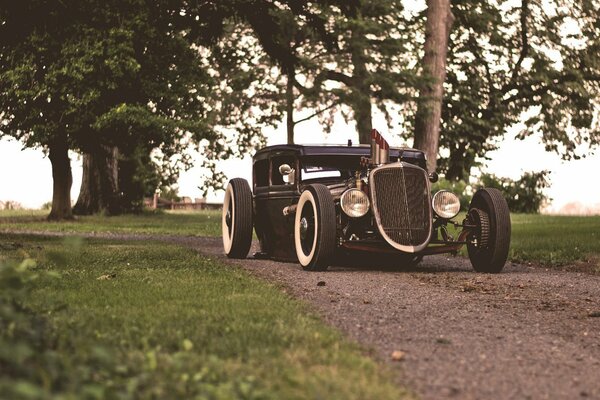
(508, 62)
(105, 78)
(91, 76)
(35, 108)
(339, 59)
(429, 111)
(234, 98)
(163, 105)
(370, 65)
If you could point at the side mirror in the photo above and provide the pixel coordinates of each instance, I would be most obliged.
(285, 169)
(433, 177)
(287, 173)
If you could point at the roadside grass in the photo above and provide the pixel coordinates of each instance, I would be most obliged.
(180, 223)
(555, 240)
(545, 239)
(167, 323)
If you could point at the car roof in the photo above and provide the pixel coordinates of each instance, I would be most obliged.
(327, 150)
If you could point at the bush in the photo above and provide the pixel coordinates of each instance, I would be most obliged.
(525, 195)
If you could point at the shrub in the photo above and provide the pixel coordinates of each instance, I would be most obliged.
(525, 195)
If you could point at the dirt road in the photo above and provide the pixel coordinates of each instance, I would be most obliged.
(527, 333)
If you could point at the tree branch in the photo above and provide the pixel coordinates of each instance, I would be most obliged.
(321, 111)
(524, 39)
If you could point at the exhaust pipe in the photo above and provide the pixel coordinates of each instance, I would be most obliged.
(384, 152)
(374, 134)
(380, 149)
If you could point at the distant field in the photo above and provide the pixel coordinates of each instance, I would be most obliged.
(556, 240)
(544, 239)
(181, 223)
(147, 320)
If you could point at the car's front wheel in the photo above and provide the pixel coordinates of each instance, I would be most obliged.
(489, 241)
(237, 219)
(315, 228)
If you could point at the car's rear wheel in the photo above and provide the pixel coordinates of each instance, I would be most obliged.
(489, 241)
(237, 219)
(315, 228)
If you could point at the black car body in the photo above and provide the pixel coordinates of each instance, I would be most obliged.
(309, 203)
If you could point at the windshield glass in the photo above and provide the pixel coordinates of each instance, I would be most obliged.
(330, 168)
(314, 172)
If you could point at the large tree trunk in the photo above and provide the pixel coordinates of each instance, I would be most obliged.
(429, 109)
(289, 98)
(62, 180)
(361, 90)
(100, 183)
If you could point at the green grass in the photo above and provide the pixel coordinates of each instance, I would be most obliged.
(181, 223)
(170, 324)
(555, 240)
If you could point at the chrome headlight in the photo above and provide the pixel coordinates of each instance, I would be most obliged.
(446, 204)
(354, 203)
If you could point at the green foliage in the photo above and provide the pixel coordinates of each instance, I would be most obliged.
(525, 195)
(23, 344)
(163, 322)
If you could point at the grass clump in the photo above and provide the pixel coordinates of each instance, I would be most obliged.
(146, 320)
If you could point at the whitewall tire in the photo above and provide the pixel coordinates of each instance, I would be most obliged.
(315, 228)
(236, 219)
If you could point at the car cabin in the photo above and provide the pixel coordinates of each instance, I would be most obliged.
(302, 165)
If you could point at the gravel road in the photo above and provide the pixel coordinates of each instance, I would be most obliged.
(527, 333)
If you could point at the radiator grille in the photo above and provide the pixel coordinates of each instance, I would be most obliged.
(401, 200)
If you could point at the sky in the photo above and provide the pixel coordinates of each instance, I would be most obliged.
(26, 176)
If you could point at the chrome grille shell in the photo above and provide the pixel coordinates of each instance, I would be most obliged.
(401, 201)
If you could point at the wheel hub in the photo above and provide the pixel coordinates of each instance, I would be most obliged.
(303, 228)
(482, 223)
(228, 218)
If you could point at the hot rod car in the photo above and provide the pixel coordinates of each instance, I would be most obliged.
(312, 203)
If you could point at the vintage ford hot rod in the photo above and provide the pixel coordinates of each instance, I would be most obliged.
(313, 203)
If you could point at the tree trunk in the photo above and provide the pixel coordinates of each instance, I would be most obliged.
(99, 185)
(289, 97)
(429, 109)
(361, 90)
(362, 114)
(62, 180)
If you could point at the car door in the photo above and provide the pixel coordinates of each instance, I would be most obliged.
(277, 229)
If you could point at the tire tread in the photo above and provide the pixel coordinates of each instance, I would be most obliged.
(242, 234)
(492, 201)
(326, 229)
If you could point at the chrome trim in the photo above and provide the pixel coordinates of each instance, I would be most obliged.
(397, 246)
